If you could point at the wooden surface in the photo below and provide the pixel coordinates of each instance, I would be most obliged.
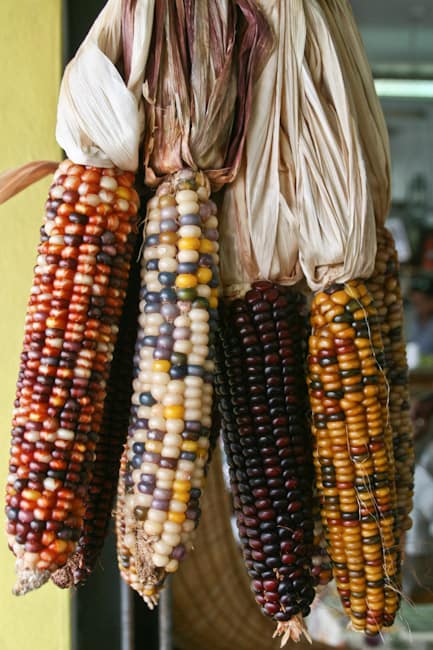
(214, 608)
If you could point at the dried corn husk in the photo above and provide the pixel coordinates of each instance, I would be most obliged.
(337, 227)
(259, 228)
(198, 87)
(303, 191)
(365, 103)
(100, 117)
(13, 181)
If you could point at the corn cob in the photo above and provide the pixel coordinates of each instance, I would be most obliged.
(103, 484)
(322, 569)
(164, 460)
(384, 286)
(263, 403)
(125, 559)
(70, 331)
(353, 453)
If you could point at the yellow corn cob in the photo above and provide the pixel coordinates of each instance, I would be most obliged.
(70, 331)
(354, 453)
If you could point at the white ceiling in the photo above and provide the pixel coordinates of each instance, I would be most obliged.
(398, 35)
(393, 13)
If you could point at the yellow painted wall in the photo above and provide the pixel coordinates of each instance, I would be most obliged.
(30, 63)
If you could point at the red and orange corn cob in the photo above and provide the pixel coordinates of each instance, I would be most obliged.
(71, 328)
(353, 453)
(165, 457)
(263, 403)
(103, 484)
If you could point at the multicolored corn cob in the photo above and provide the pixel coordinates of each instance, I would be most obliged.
(164, 461)
(322, 567)
(353, 452)
(71, 328)
(263, 403)
(384, 286)
(103, 484)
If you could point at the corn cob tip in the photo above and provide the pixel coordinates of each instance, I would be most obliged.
(65, 576)
(149, 594)
(292, 630)
(151, 601)
(28, 579)
(151, 577)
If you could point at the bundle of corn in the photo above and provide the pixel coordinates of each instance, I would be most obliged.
(102, 487)
(75, 308)
(263, 403)
(354, 453)
(303, 204)
(384, 286)
(198, 90)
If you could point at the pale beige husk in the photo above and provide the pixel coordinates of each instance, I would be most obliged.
(100, 119)
(301, 204)
(365, 103)
(258, 225)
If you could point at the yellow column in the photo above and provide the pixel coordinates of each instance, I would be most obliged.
(30, 56)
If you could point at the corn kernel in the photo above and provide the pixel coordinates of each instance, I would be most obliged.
(189, 243)
(181, 486)
(206, 246)
(176, 517)
(174, 412)
(161, 366)
(190, 445)
(181, 496)
(124, 193)
(204, 275)
(186, 281)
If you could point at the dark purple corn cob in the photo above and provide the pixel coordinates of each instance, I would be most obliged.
(263, 404)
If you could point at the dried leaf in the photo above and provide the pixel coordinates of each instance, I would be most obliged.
(18, 179)
(100, 118)
(128, 27)
(304, 187)
(365, 103)
(198, 86)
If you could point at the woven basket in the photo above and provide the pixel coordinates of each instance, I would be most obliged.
(213, 606)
